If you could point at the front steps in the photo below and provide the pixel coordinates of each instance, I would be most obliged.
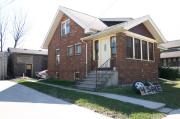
(89, 83)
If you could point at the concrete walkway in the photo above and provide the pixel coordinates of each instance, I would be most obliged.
(20, 102)
(140, 102)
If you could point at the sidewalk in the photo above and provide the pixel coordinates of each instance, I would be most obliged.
(140, 102)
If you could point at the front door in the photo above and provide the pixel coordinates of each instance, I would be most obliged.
(104, 53)
(29, 70)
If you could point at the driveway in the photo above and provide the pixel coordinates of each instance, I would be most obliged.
(20, 102)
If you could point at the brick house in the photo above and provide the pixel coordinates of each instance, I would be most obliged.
(170, 56)
(79, 44)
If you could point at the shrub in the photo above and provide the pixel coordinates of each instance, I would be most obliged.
(168, 73)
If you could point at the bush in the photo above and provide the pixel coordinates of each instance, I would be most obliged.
(168, 73)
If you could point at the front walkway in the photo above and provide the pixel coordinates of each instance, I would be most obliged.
(20, 102)
(141, 102)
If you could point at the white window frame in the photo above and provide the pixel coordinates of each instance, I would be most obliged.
(64, 23)
(58, 62)
(133, 38)
(77, 44)
(71, 46)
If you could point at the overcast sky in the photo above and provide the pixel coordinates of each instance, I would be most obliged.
(40, 14)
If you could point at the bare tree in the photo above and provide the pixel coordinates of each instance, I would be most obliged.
(3, 26)
(18, 29)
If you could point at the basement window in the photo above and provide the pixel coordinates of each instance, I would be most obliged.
(76, 76)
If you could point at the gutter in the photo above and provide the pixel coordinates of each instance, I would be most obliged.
(86, 57)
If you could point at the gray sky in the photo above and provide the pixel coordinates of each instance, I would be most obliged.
(40, 14)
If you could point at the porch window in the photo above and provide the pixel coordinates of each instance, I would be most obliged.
(65, 27)
(57, 56)
(77, 49)
(151, 51)
(129, 47)
(113, 45)
(69, 50)
(137, 48)
(144, 50)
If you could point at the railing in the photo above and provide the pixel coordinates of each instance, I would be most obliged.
(105, 67)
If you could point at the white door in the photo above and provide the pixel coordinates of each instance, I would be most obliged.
(104, 53)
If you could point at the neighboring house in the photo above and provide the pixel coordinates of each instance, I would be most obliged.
(170, 57)
(27, 62)
(3, 65)
(78, 43)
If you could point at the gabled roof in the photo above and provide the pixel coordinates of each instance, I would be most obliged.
(27, 51)
(170, 54)
(146, 20)
(171, 44)
(89, 23)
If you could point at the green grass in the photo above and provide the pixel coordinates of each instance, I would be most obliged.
(110, 107)
(68, 83)
(170, 94)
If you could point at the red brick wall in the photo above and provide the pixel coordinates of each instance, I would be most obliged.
(130, 70)
(68, 64)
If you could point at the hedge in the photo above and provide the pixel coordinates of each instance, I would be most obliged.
(168, 73)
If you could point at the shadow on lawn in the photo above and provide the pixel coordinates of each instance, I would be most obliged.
(170, 95)
(100, 104)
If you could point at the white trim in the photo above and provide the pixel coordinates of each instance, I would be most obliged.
(148, 50)
(70, 45)
(133, 48)
(141, 49)
(65, 23)
(131, 34)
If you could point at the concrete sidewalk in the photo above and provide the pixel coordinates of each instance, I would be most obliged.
(20, 102)
(140, 102)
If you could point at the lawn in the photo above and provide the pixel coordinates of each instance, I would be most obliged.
(110, 107)
(170, 94)
(67, 83)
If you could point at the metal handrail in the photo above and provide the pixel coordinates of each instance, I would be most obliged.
(100, 68)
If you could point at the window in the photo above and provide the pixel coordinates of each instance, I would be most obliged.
(144, 50)
(129, 47)
(76, 75)
(57, 56)
(164, 63)
(69, 50)
(78, 49)
(151, 51)
(57, 74)
(137, 45)
(65, 27)
(113, 45)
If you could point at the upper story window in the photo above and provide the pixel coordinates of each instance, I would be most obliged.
(113, 45)
(129, 47)
(78, 49)
(70, 50)
(57, 56)
(65, 27)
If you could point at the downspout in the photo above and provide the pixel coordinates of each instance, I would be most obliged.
(86, 57)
